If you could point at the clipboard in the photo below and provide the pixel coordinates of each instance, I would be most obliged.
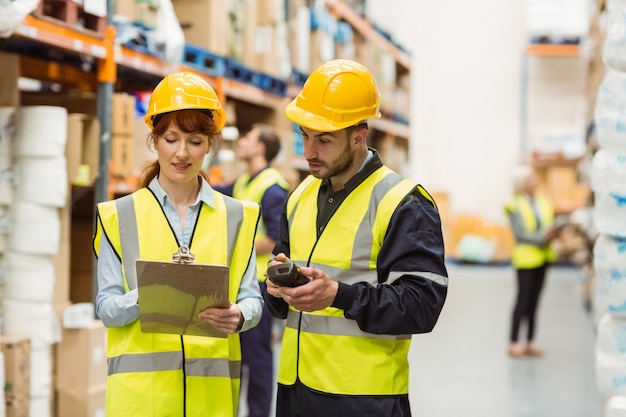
(171, 294)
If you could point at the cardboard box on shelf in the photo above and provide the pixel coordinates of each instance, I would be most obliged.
(368, 53)
(82, 149)
(128, 9)
(322, 48)
(61, 260)
(142, 152)
(560, 180)
(344, 50)
(122, 156)
(81, 359)
(267, 58)
(87, 404)
(17, 406)
(299, 38)
(9, 74)
(123, 114)
(204, 23)
(17, 364)
(270, 11)
(78, 315)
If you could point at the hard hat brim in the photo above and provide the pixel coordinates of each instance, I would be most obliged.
(219, 116)
(312, 121)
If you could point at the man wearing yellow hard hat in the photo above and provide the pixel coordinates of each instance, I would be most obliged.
(371, 242)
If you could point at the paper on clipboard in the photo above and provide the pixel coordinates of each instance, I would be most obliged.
(172, 294)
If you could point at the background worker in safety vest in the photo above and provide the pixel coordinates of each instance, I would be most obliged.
(531, 216)
(156, 374)
(371, 242)
(265, 185)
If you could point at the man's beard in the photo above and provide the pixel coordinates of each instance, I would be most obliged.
(340, 165)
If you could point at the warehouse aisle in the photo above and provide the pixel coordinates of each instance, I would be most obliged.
(462, 367)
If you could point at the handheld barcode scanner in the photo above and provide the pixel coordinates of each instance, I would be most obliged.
(286, 275)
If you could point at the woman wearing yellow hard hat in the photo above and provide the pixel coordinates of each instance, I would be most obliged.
(371, 241)
(157, 374)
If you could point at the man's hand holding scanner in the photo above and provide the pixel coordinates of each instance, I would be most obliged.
(228, 320)
(316, 295)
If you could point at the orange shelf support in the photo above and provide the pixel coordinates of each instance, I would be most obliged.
(218, 86)
(107, 68)
(54, 72)
(553, 50)
(63, 37)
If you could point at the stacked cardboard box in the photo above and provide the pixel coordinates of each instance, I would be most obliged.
(204, 23)
(323, 30)
(17, 355)
(82, 150)
(299, 35)
(123, 135)
(9, 74)
(264, 38)
(82, 371)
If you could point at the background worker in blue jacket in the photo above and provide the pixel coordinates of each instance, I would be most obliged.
(371, 242)
(265, 185)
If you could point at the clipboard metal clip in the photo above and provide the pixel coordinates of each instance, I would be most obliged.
(183, 256)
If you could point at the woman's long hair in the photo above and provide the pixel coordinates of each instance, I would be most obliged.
(189, 121)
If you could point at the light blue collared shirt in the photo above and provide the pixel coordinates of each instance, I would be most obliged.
(117, 308)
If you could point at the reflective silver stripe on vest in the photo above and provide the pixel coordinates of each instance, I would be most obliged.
(129, 237)
(172, 361)
(347, 276)
(213, 367)
(439, 279)
(351, 276)
(234, 212)
(364, 238)
(293, 213)
(334, 326)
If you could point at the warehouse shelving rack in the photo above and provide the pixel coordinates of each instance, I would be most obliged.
(365, 28)
(90, 61)
(553, 50)
(544, 163)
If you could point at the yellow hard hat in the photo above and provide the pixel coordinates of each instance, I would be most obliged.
(339, 94)
(182, 91)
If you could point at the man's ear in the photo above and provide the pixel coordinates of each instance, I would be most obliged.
(361, 136)
(260, 147)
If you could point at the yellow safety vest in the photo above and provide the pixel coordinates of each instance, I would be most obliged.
(325, 350)
(155, 375)
(527, 256)
(244, 189)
